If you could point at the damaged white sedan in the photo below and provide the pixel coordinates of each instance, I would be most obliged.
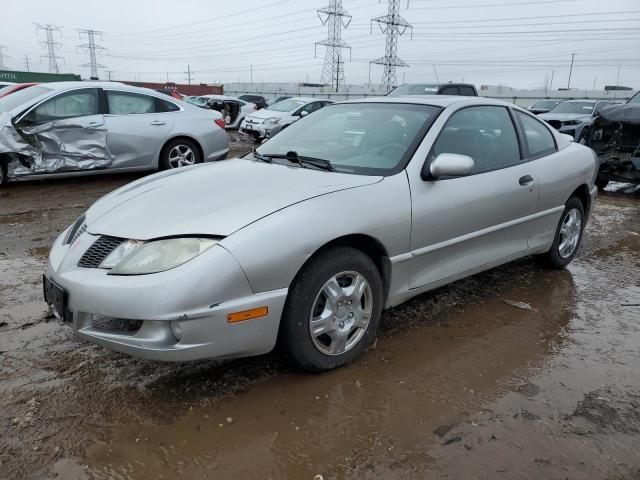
(78, 128)
(305, 241)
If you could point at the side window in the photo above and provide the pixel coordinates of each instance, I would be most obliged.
(126, 103)
(77, 103)
(485, 134)
(312, 107)
(539, 139)
(449, 91)
(163, 105)
(467, 91)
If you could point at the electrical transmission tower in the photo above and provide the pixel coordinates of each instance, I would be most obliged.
(336, 18)
(51, 46)
(3, 57)
(394, 26)
(92, 49)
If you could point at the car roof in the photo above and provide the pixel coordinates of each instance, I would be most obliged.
(588, 100)
(435, 100)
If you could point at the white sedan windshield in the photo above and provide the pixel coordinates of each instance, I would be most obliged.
(365, 138)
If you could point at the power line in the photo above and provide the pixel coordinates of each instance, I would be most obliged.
(393, 25)
(336, 18)
(51, 45)
(92, 49)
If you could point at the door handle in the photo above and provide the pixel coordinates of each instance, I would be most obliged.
(526, 180)
(158, 122)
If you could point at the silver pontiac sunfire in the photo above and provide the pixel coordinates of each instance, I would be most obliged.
(353, 209)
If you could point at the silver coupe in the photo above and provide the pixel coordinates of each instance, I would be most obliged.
(304, 242)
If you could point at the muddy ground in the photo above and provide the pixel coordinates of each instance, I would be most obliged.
(462, 384)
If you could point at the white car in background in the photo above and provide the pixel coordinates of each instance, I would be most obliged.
(5, 84)
(268, 121)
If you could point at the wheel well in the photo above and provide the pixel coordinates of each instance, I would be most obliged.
(368, 245)
(582, 194)
(182, 137)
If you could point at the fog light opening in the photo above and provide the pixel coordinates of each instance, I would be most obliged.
(176, 329)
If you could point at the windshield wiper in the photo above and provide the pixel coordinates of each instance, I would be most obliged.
(262, 158)
(302, 160)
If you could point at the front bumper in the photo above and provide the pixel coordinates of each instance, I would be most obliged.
(195, 297)
(259, 130)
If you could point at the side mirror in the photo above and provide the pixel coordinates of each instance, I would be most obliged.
(304, 113)
(451, 165)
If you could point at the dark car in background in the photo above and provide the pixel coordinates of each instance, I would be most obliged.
(459, 89)
(543, 106)
(258, 100)
(572, 116)
(615, 137)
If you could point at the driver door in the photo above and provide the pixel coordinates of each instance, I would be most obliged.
(462, 225)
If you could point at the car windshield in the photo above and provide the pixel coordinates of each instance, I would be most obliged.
(635, 98)
(361, 138)
(287, 105)
(413, 90)
(16, 99)
(546, 104)
(199, 101)
(574, 107)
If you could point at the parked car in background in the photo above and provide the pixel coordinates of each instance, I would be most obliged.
(78, 128)
(615, 137)
(543, 106)
(463, 89)
(15, 88)
(233, 109)
(354, 209)
(195, 100)
(269, 121)
(571, 116)
(278, 99)
(258, 100)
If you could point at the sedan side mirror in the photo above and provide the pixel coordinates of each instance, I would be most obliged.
(451, 165)
(304, 113)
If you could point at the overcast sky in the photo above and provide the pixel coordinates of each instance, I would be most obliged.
(517, 43)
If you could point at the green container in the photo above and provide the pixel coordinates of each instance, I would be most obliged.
(28, 77)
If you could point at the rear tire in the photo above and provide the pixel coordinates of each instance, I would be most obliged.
(180, 152)
(567, 238)
(333, 310)
(601, 182)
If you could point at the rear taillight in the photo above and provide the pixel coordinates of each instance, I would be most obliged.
(220, 122)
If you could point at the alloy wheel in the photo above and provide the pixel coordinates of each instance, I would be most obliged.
(181, 156)
(570, 230)
(341, 313)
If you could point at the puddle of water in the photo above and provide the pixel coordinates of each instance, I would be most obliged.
(377, 417)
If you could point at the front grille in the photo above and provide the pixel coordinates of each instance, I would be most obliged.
(100, 249)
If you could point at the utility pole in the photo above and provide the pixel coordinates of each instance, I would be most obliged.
(109, 72)
(570, 71)
(251, 74)
(51, 45)
(594, 84)
(92, 49)
(189, 74)
(615, 94)
(553, 72)
(335, 17)
(3, 57)
(436, 72)
(393, 26)
(27, 63)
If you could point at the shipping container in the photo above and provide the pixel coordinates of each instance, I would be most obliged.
(39, 77)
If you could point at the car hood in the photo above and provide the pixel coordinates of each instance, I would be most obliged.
(265, 113)
(210, 199)
(565, 117)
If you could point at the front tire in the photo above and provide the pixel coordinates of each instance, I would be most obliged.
(567, 238)
(333, 310)
(180, 152)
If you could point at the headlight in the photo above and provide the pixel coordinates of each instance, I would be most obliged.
(272, 120)
(572, 122)
(124, 249)
(160, 255)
